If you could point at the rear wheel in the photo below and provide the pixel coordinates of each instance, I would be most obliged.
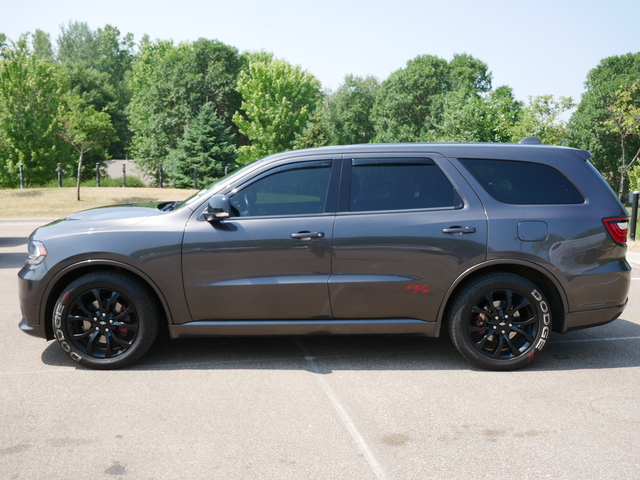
(500, 322)
(105, 320)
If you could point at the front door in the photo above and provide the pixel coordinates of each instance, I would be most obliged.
(272, 258)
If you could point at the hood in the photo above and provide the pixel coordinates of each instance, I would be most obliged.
(130, 213)
(111, 218)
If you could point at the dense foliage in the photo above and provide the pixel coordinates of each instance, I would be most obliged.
(205, 105)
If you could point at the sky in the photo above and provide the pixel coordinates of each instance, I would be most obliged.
(537, 47)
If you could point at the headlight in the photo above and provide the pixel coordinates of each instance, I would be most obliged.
(37, 252)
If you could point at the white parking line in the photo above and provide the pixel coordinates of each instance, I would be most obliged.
(344, 415)
(611, 339)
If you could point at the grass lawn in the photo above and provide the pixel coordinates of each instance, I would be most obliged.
(59, 202)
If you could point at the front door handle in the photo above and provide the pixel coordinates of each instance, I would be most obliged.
(458, 230)
(307, 235)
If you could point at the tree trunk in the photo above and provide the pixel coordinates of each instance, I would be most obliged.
(623, 171)
(79, 170)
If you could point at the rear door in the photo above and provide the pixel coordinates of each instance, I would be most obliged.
(406, 228)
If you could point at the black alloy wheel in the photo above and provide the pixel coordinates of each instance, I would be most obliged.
(500, 322)
(105, 320)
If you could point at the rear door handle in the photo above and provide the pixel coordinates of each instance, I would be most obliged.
(307, 235)
(458, 230)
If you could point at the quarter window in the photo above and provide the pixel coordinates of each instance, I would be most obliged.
(523, 183)
(399, 185)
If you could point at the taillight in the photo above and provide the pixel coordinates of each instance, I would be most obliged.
(617, 228)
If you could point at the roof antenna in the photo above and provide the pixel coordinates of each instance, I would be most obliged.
(530, 141)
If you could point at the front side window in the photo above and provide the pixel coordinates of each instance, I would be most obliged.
(523, 183)
(299, 189)
(399, 185)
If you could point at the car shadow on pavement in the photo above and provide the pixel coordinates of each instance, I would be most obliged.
(12, 260)
(12, 241)
(610, 346)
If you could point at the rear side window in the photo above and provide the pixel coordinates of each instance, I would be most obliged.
(399, 185)
(523, 183)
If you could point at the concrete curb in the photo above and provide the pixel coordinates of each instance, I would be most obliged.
(26, 221)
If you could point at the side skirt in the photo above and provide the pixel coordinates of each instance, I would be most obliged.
(302, 327)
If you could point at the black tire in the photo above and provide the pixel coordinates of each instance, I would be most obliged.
(105, 320)
(500, 321)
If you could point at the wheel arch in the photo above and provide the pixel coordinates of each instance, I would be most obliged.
(75, 271)
(550, 286)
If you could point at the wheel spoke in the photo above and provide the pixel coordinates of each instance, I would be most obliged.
(131, 326)
(108, 352)
(514, 350)
(92, 341)
(523, 304)
(81, 335)
(127, 311)
(120, 341)
(532, 319)
(110, 301)
(80, 304)
(480, 343)
(529, 338)
(498, 350)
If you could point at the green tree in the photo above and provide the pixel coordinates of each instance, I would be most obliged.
(542, 118)
(409, 104)
(206, 144)
(588, 123)
(31, 90)
(464, 118)
(279, 99)
(42, 45)
(315, 133)
(98, 64)
(170, 85)
(85, 129)
(469, 74)
(625, 122)
(349, 110)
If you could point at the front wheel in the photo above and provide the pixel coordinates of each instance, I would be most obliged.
(500, 322)
(105, 320)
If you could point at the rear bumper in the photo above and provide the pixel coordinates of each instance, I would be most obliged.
(592, 318)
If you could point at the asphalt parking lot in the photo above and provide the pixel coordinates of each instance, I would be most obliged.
(317, 407)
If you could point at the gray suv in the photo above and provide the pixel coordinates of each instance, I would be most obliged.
(498, 244)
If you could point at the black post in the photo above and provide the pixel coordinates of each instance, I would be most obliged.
(634, 215)
(195, 176)
(59, 175)
(21, 176)
(124, 175)
(160, 175)
(97, 174)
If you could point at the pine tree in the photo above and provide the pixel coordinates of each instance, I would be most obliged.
(207, 144)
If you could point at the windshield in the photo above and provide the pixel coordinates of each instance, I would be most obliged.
(194, 200)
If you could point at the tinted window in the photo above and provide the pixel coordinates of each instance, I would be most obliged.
(376, 185)
(523, 183)
(298, 189)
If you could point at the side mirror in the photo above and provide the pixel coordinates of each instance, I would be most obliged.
(219, 208)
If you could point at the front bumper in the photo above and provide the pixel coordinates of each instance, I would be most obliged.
(31, 294)
(34, 330)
